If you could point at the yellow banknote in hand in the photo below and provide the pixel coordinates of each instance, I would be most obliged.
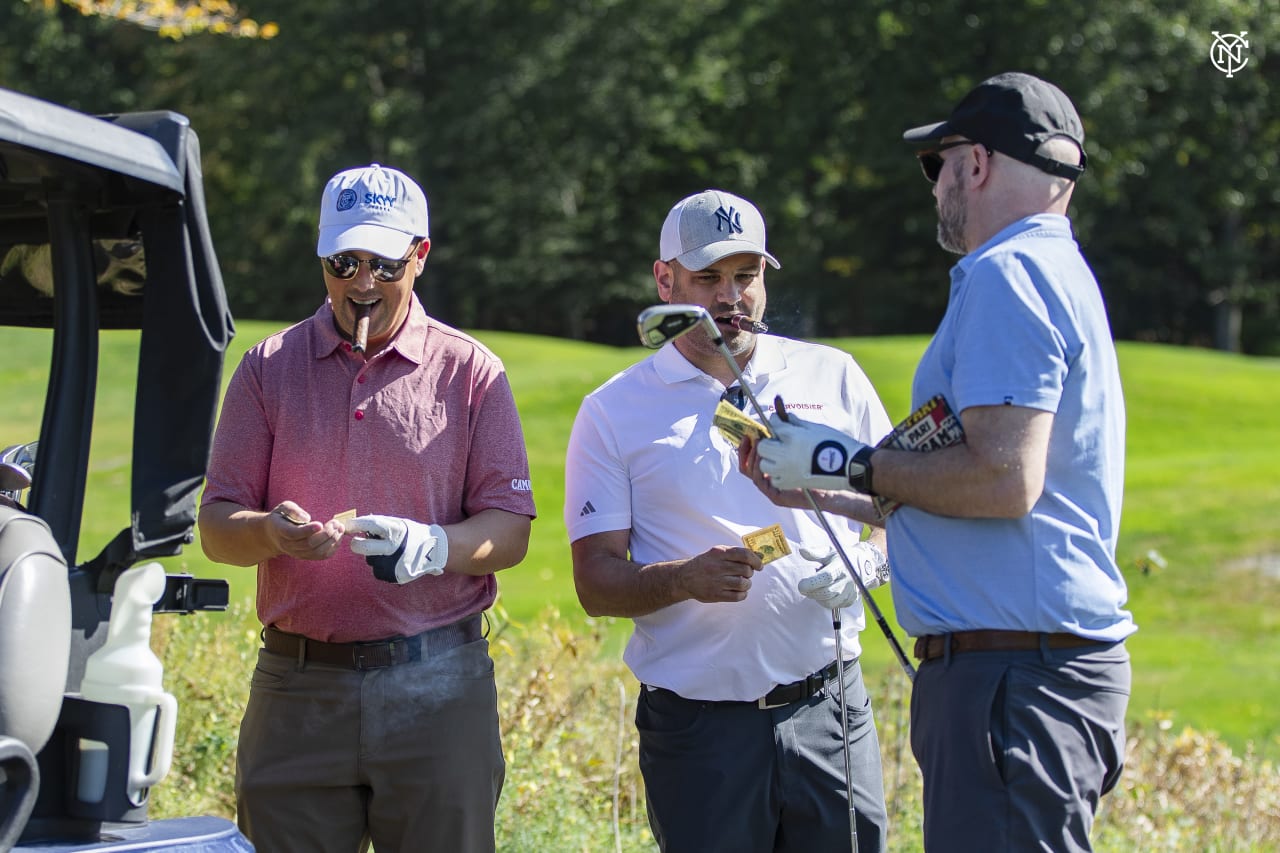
(734, 425)
(768, 542)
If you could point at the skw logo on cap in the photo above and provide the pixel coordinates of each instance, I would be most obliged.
(374, 209)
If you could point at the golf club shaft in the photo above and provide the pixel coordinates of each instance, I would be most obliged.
(844, 733)
(862, 588)
(718, 340)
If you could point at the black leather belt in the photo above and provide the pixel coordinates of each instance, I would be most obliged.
(375, 654)
(783, 694)
(935, 645)
(796, 691)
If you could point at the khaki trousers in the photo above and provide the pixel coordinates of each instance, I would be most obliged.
(408, 756)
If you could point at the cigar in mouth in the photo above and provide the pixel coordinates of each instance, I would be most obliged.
(743, 323)
(361, 337)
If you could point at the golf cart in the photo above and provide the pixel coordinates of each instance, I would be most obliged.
(102, 226)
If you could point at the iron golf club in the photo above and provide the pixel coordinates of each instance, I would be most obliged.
(822, 561)
(658, 324)
(16, 464)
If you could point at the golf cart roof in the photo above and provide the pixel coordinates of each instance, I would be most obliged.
(103, 226)
(38, 126)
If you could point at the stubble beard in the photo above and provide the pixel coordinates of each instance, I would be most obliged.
(953, 216)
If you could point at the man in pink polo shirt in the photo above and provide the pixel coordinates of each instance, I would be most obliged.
(373, 712)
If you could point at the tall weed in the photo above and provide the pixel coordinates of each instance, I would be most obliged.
(567, 705)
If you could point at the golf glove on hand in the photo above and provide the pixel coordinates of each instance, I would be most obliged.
(805, 455)
(872, 564)
(398, 549)
(831, 586)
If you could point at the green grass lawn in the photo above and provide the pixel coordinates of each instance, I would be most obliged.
(1202, 493)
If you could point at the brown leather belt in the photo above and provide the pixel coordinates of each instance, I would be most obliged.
(377, 653)
(935, 645)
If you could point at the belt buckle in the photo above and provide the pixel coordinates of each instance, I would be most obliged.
(763, 704)
(358, 659)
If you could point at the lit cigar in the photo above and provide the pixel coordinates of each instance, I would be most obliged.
(743, 323)
(361, 337)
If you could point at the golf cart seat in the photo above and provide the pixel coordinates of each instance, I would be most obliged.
(35, 641)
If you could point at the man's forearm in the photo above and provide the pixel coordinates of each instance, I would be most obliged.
(487, 542)
(234, 535)
(950, 481)
(613, 586)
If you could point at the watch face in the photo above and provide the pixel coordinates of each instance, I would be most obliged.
(828, 458)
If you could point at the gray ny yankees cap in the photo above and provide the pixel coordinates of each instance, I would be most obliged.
(711, 225)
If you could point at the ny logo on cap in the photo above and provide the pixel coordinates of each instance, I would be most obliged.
(346, 199)
(732, 220)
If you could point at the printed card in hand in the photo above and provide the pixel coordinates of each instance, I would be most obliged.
(929, 427)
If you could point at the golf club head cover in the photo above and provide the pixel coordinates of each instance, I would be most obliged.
(831, 586)
(398, 549)
(805, 455)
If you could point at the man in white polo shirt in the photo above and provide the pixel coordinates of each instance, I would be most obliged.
(741, 740)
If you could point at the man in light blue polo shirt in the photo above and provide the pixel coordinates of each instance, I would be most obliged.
(1003, 548)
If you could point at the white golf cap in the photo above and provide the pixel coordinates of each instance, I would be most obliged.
(711, 225)
(374, 209)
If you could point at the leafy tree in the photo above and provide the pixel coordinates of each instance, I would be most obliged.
(551, 138)
(175, 19)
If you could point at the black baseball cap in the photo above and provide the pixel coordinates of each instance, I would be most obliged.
(1014, 114)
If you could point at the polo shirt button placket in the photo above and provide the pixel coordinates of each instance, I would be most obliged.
(361, 377)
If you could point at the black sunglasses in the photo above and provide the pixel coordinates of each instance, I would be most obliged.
(382, 269)
(931, 159)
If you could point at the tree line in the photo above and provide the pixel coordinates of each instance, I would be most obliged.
(552, 137)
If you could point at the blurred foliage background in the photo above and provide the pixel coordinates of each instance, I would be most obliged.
(552, 137)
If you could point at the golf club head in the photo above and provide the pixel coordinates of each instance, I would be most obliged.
(17, 466)
(21, 454)
(658, 324)
(13, 478)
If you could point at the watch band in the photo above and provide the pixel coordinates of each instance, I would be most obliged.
(860, 470)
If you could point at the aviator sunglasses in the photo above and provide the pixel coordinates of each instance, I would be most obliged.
(931, 160)
(382, 269)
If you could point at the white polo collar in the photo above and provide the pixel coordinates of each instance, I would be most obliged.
(672, 367)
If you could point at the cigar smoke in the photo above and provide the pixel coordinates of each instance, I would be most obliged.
(361, 337)
(743, 323)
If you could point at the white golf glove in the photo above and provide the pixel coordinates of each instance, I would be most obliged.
(805, 455)
(831, 586)
(398, 549)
